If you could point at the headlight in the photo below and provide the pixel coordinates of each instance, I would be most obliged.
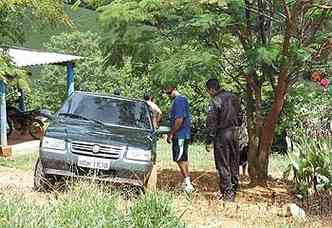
(53, 143)
(138, 154)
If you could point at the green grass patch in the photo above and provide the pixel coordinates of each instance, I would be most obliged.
(199, 159)
(23, 162)
(88, 205)
(278, 164)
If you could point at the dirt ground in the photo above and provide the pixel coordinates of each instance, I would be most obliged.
(254, 207)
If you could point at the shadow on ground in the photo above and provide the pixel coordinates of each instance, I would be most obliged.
(17, 137)
(206, 184)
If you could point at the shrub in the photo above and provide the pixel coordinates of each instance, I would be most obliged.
(311, 161)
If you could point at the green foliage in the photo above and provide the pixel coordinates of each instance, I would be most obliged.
(23, 162)
(9, 73)
(90, 4)
(311, 161)
(50, 90)
(307, 105)
(154, 210)
(13, 15)
(185, 66)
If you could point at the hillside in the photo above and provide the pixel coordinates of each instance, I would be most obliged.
(84, 20)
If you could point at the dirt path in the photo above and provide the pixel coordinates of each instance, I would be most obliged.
(11, 178)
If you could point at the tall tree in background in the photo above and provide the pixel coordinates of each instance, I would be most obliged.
(15, 16)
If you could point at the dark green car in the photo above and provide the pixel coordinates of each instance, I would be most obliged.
(96, 136)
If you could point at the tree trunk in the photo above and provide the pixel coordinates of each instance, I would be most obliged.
(251, 128)
(270, 123)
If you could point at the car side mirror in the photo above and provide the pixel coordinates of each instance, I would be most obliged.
(163, 130)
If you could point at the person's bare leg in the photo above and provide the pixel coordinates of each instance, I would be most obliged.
(184, 169)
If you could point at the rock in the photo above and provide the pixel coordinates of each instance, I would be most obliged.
(295, 211)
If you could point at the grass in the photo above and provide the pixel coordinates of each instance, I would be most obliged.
(23, 162)
(88, 205)
(199, 159)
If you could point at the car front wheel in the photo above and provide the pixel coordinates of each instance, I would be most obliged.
(41, 181)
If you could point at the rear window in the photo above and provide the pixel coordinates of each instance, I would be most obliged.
(111, 111)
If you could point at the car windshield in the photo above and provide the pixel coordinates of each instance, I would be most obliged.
(111, 111)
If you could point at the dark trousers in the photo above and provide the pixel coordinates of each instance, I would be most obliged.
(227, 159)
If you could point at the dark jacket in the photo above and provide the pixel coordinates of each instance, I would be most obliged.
(224, 112)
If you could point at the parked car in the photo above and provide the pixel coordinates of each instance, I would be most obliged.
(108, 138)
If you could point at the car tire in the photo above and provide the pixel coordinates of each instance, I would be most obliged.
(151, 183)
(41, 181)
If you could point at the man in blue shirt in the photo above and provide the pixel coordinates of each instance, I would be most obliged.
(180, 134)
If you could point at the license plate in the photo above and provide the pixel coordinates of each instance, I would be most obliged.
(94, 163)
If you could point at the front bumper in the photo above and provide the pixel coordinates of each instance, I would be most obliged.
(121, 170)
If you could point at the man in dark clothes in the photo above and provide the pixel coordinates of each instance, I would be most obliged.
(222, 122)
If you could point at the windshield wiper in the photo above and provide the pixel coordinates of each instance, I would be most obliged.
(73, 115)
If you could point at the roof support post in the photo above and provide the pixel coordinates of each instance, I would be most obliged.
(70, 78)
(3, 119)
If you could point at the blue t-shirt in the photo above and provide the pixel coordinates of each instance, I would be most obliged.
(180, 109)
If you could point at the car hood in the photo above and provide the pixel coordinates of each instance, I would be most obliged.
(89, 132)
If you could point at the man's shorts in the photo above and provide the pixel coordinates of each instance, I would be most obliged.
(180, 149)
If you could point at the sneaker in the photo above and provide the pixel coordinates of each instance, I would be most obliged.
(181, 186)
(189, 188)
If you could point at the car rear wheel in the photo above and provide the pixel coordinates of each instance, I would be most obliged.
(151, 183)
(41, 181)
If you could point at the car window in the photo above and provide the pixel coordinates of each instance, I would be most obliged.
(109, 110)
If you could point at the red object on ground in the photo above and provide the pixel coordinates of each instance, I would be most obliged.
(324, 83)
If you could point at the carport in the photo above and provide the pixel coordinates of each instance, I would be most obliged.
(23, 57)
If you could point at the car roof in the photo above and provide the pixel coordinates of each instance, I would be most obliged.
(95, 94)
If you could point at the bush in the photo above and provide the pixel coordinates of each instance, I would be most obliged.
(311, 161)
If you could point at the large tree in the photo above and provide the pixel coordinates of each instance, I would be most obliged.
(260, 46)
